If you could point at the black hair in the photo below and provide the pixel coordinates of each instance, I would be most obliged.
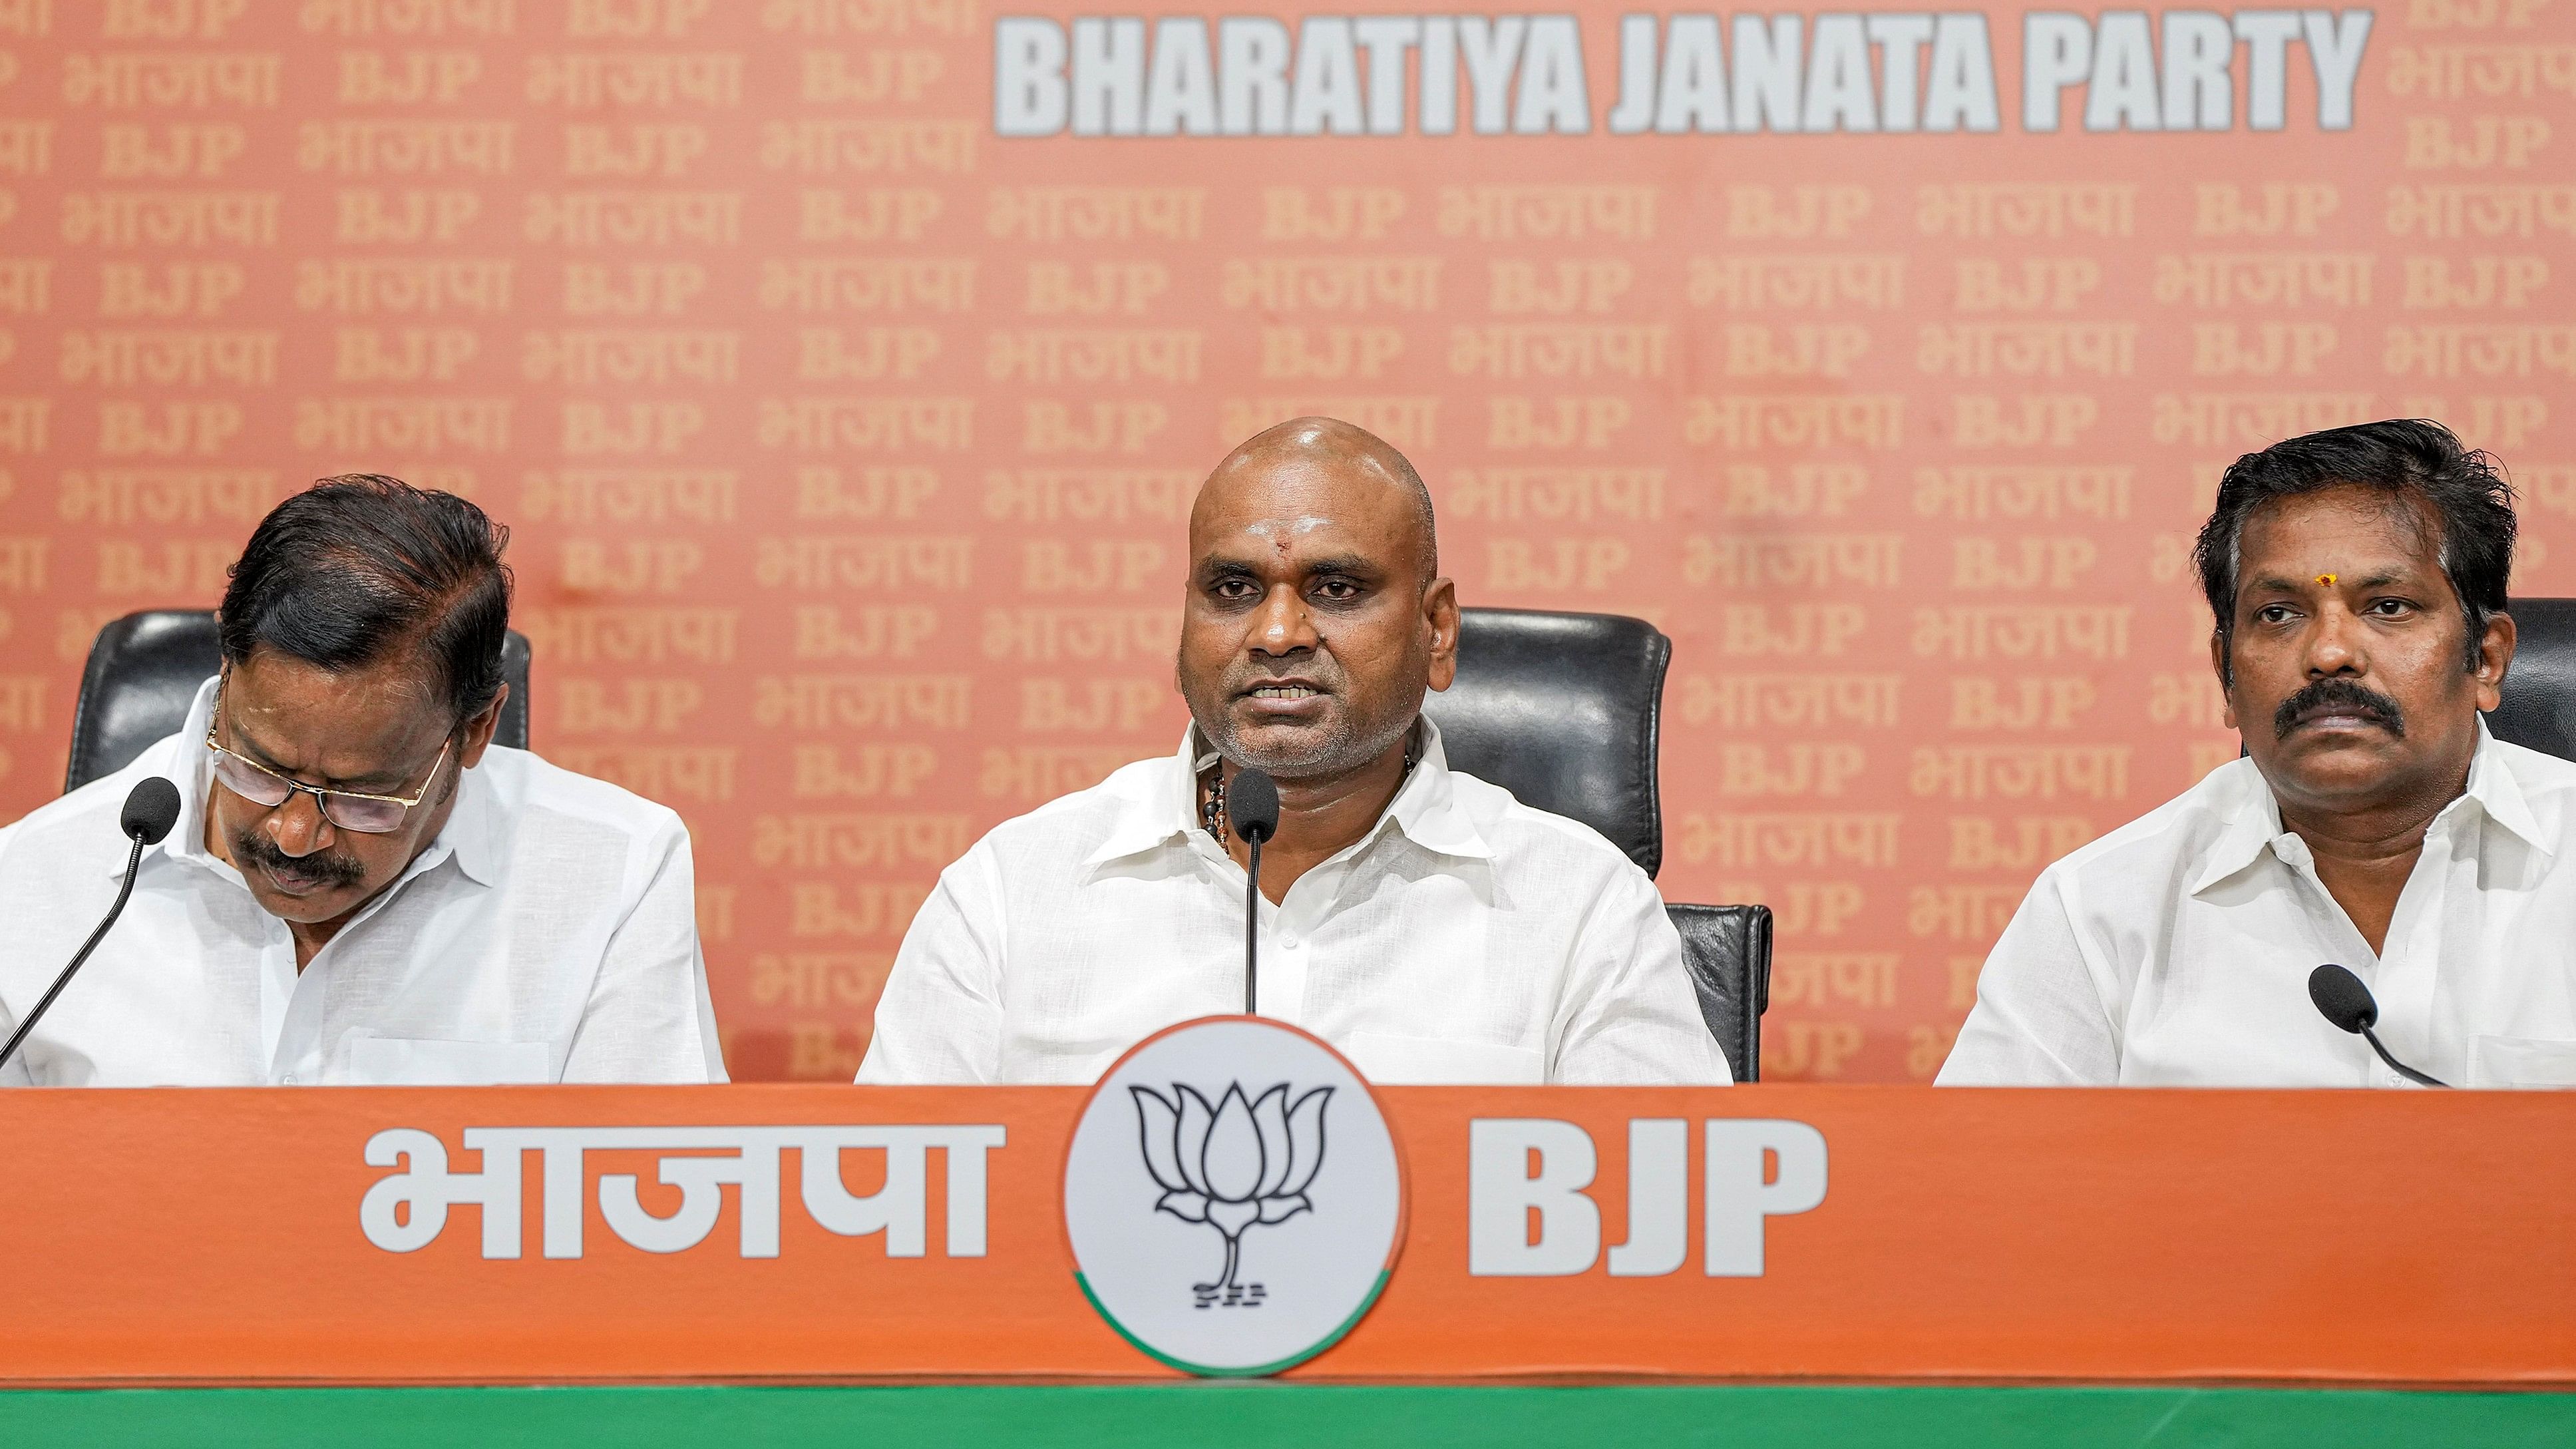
(2403, 458)
(356, 568)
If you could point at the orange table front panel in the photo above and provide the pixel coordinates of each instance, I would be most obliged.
(2417, 1238)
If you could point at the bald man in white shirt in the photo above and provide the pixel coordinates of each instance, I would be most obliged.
(1423, 921)
(2358, 581)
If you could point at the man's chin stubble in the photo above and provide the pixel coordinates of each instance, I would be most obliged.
(1287, 763)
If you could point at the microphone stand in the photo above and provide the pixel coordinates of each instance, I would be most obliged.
(2394, 1065)
(1252, 813)
(1252, 928)
(2346, 1003)
(133, 859)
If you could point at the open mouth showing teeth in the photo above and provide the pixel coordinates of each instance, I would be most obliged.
(1285, 691)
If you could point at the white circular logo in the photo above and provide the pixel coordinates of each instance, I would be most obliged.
(1233, 1196)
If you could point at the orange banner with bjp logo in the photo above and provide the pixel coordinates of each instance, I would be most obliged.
(845, 368)
(595, 1234)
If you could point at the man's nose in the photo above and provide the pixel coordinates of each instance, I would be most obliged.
(299, 827)
(2336, 645)
(1283, 625)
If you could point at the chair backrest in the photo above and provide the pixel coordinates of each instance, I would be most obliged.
(1561, 710)
(2539, 709)
(144, 671)
(1728, 949)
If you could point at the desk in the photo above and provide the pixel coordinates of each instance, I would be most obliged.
(2069, 1240)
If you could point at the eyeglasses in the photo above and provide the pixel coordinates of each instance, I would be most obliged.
(264, 787)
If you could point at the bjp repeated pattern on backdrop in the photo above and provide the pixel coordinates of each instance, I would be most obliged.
(845, 368)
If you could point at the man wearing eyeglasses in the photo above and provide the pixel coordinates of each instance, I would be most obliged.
(362, 887)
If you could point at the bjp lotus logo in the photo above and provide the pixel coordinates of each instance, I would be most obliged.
(1240, 1163)
(1238, 1152)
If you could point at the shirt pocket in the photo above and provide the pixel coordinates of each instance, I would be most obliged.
(2513, 1061)
(392, 1061)
(1421, 1061)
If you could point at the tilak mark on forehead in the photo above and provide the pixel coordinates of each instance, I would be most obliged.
(1267, 527)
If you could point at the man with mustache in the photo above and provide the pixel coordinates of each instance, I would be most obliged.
(1423, 921)
(2357, 578)
(361, 887)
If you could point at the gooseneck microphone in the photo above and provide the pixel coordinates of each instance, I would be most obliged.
(1252, 812)
(2343, 1000)
(151, 808)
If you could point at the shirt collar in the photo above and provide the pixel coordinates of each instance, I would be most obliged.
(471, 834)
(2499, 794)
(2254, 821)
(473, 830)
(1425, 809)
(191, 771)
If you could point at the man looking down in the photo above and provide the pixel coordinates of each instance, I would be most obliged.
(361, 887)
(1424, 922)
(2357, 578)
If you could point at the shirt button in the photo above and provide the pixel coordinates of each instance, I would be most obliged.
(287, 1080)
(1288, 943)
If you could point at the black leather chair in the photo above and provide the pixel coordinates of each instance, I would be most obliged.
(144, 670)
(2539, 708)
(1728, 949)
(1562, 710)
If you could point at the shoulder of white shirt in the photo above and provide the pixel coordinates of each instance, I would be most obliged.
(522, 778)
(69, 816)
(2537, 772)
(1493, 808)
(2205, 808)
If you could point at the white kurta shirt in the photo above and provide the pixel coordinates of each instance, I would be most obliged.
(547, 934)
(2175, 951)
(1465, 938)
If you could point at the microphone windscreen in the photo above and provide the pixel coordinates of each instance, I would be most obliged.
(151, 808)
(2342, 999)
(1252, 805)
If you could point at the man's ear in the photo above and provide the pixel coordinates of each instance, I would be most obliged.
(2218, 666)
(478, 731)
(2495, 657)
(1440, 614)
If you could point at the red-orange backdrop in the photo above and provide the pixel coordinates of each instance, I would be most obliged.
(847, 443)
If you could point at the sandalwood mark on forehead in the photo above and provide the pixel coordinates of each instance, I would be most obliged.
(2326, 579)
(1281, 530)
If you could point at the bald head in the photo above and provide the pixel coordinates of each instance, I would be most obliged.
(1310, 448)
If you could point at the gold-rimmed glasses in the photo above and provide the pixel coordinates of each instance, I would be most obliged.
(347, 809)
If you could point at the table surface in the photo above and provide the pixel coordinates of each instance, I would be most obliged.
(1257, 1416)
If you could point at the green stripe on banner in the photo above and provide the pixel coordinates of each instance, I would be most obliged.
(1259, 1416)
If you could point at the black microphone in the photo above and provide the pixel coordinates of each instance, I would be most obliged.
(151, 808)
(2347, 1003)
(1252, 812)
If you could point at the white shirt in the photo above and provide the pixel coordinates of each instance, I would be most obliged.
(547, 934)
(2175, 951)
(1464, 938)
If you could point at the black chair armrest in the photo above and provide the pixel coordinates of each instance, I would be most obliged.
(1728, 951)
